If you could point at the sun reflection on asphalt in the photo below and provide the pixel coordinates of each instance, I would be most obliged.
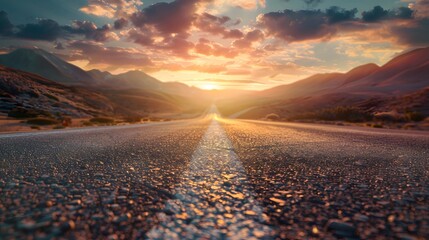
(214, 199)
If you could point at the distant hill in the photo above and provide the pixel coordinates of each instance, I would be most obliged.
(47, 65)
(140, 80)
(404, 75)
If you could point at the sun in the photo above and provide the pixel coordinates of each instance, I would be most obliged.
(209, 86)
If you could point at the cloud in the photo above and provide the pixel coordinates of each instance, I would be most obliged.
(216, 26)
(209, 48)
(378, 14)
(374, 15)
(337, 14)
(44, 29)
(295, 26)
(421, 7)
(91, 31)
(304, 25)
(177, 44)
(111, 8)
(413, 33)
(120, 23)
(243, 4)
(167, 18)
(6, 27)
(97, 53)
(250, 37)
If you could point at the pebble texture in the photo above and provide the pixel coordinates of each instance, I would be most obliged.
(215, 178)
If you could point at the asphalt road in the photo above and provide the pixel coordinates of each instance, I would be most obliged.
(213, 178)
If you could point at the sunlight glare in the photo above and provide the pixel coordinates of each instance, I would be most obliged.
(209, 86)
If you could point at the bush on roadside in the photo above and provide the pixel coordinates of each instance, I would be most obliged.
(42, 121)
(414, 116)
(58, 127)
(133, 119)
(377, 125)
(20, 112)
(87, 123)
(348, 114)
(102, 120)
(35, 127)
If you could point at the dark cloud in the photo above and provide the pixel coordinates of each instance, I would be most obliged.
(50, 30)
(216, 25)
(6, 27)
(91, 31)
(139, 37)
(379, 14)
(295, 26)
(404, 13)
(167, 18)
(177, 45)
(44, 29)
(249, 38)
(120, 23)
(337, 14)
(376, 14)
(414, 33)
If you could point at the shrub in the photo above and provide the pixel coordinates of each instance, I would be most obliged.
(58, 127)
(87, 123)
(42, 121)
(348, 114)
(35, 127)
(414, 116)
(23, 113)
(377, 125)
(272, 116)
(102, 120)
(132, 119)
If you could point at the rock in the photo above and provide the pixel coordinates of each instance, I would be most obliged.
(278, 201)
(406, 237)
(340, 228)
(360, 217)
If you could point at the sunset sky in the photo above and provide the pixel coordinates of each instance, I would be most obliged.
(246, 44)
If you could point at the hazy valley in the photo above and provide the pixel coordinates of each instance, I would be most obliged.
(35, 83)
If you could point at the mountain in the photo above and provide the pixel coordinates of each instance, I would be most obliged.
(27, 92)
(47, 65)
(404, 75)
(140, 80)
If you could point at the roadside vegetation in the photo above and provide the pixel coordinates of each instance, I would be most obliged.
(407, 119)
(42, 121)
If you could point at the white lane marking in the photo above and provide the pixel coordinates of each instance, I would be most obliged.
(214, 200)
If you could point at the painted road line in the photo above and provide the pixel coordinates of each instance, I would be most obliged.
(214, 199)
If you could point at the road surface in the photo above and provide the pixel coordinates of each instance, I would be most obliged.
(214, 178)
